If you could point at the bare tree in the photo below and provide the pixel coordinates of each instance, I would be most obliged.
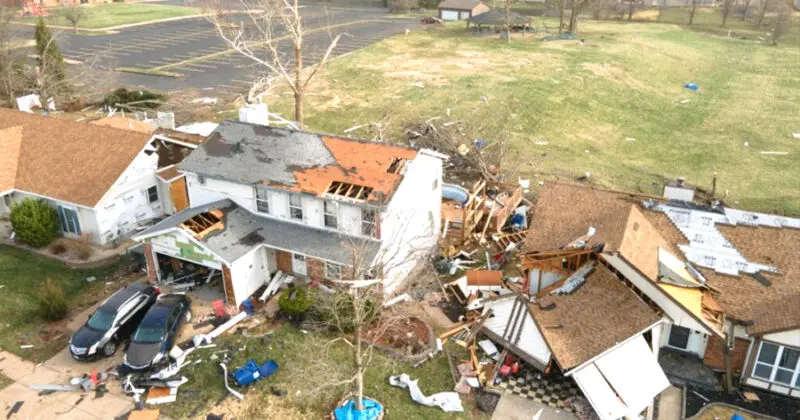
(73, 14)
(259, 38)
(12, 80)
(763, 14)
(783, 23)
(507, 23)
(727, 6)
(746, 8)
(577, 7)
(692, 12)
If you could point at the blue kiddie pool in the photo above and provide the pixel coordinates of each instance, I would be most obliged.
(373, 410)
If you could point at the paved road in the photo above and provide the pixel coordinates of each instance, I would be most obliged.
(167, 45)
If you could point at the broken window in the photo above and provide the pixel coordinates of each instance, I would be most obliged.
(296, 207)
(368, 222)
(152, 194)
(397, 166)
(262, 201)
(331, 217)
(344, 189)
(333, 271)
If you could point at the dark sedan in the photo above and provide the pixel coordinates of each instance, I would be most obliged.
(113, 322)
(157, 332)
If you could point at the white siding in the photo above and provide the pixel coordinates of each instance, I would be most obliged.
(350, 219)
(215, 190)
(313, 212)
(531, 340)
(787, 338)
(410, 224)
(248, 273)
(279, 204)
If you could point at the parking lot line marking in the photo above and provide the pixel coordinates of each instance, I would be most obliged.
(158, 62)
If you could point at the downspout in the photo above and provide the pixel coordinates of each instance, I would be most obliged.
(729, 343)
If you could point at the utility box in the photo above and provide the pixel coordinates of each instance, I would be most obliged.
(254, 114)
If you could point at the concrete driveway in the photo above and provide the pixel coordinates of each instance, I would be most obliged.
(513, 407)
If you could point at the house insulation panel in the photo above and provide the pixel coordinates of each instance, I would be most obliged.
(629, 375)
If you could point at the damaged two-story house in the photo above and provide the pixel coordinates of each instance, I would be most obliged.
(725, 282)
(266, 199)
(104, 181)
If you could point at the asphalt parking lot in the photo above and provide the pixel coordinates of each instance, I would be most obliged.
(193, 48)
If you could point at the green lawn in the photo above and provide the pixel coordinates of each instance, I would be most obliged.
(305, 365)
(21, 275)
(612, 106)
(115, 14)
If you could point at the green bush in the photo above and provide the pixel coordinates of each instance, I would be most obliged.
(34, 221)
(53, 305)
(139, 98)
(297, 301)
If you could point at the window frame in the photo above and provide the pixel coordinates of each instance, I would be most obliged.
(369, 227)
(326, 213)
(298, 208)
(775, 367)
(69, 222)
(688, 337)
(328, 265)
(261, 199)
(149, 197)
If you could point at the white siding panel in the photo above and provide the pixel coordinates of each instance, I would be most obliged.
(174, 244)
(279, 204)
(215, 190)
(602, 398)
(531, 340)
(350, 219)
(787, 338)
(248, 273)
(313, 212)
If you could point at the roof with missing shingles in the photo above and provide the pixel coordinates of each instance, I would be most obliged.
(296, 160)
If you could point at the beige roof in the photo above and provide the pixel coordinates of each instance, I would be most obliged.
(771, 307)
(62, 159)
(594, 318)
(459, 4)
(124, 123)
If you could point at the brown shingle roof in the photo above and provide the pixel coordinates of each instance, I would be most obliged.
(773, 307)
(65, 160)
(594, 318)
(124, 123)
(564, 212)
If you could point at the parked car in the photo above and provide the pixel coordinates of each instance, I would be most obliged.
(157, 332)
(430, 20)
(113, 322)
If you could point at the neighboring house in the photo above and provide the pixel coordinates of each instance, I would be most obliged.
(731, 290)
(589, 326)
(461, 9)
(102, 180)
(266, 199)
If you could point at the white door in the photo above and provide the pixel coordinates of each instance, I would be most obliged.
(299, 264)
(449, 15)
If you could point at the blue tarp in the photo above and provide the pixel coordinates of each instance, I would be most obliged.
(737, 417)
(692, 87)
(372, 409)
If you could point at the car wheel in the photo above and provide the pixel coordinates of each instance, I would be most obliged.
(188, 316)
(109, 348)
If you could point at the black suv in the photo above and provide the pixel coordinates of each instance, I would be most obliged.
(113, 321)
(157, 332)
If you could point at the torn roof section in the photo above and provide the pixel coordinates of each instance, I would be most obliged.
(299, 161)
(230, 232)
(592, 318)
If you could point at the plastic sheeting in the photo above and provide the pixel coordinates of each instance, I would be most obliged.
(447, 401)
(372, 410)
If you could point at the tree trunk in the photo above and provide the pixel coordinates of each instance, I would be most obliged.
(508, 21)
(726, 10)
(744, 12)
(630, 11)
(573, 18)
(358, 365)
(763, 12)
(561, 17)
(298, 83)
(692, 11)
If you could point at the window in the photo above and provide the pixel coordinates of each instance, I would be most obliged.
(331, 219)
(69, 220)
(679, 337)
(333, 271)
(368, 222)
(296, 207)
(152, 194)
(262, 201)
(779, 364)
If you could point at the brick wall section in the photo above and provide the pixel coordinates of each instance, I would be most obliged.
(315, 268)
(284, 261)
(150, 259)
(715, 354)
(227, 282)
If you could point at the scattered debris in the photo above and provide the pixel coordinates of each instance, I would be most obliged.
(90, 279)
(630, 139)
(796, 135)
(684, 101)
(447, 401)
(14, 409)
(773, 153)
(26, 346)
(205, 101)
(252, 372)
(231, 390)
(691, 86)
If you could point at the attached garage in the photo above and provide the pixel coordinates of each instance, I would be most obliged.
(623, 381)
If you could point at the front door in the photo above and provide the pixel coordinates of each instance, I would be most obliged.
(299, 264)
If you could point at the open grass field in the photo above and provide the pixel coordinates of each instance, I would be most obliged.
(115, 14)
(21, 276)
(305, 364)
(614, 106)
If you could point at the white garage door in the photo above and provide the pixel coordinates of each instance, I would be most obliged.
(464, 16)
(623, 381)
(449, 15)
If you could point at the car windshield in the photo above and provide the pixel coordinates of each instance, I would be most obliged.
(149, 334)
(101, 321)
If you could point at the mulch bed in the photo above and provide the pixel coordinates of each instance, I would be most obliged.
(409, 337)
(771, 404)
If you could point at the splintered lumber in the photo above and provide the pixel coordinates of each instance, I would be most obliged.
(473, 332)
(451, 332)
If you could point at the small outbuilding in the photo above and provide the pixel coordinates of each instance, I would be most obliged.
(497, 18)
(461, 9)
